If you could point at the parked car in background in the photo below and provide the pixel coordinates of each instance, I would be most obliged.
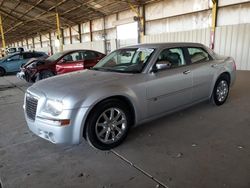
(12, 63)
(13, 50)
(60, 63)
(130, 86)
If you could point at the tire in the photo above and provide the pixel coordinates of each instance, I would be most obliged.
(221, 90)
(43, 75)
(2, 72)
(104, 132)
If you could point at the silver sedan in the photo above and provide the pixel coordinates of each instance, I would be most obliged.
(128, 87)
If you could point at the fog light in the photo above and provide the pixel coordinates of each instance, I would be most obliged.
(57, 122)
(51, 137)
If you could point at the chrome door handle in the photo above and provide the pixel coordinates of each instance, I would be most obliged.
(187, 72)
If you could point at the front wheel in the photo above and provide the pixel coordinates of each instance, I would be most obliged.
(2, 72)
(108, 124)
(221, 90)
(44, 75)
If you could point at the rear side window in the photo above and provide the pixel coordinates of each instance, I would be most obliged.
(198, 55)
(88, 55)
(27, 55)
(37, 54)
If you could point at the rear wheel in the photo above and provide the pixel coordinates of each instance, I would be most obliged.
(2, 72)
(108, 124)
(221, 90)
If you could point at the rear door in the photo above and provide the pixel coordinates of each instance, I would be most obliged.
(170, 88)
(69, 63)
(91, 58)
(201, 67)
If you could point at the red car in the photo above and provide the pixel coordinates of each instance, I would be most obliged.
(59, 63)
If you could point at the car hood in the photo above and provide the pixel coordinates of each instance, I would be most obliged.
(35, 61)
(76, 84)
(3, 59)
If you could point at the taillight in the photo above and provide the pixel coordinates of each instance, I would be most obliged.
(234, 65)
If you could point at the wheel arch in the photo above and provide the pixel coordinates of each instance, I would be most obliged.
(3, 69)
(225, 72)
(128, 102)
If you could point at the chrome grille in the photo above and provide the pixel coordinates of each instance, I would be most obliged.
(31, 106)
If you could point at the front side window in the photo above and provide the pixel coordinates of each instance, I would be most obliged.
(55, 57)
(198, 55)
(173, 58)
(37, 54)
(126, 60)
(76, 56)
(15, 57)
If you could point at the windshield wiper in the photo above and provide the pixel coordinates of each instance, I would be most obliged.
(100, 69)
(114, 70)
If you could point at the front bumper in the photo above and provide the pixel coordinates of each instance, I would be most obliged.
(21, 75)
(70, 134)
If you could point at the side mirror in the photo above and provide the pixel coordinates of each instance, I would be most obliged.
(161, 65)
(62, 60)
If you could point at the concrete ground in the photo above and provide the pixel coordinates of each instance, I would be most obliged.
(203, 146)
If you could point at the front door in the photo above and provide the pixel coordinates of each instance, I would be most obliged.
(91, 58)
(13, 63)
(69, 63)
(170, 88)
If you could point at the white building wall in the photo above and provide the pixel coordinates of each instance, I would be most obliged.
(234, 41)
(201, 36)
(193, 21)
(231, 2)
(75, 34)
(96, 45)
(170, 8)
(237, 14)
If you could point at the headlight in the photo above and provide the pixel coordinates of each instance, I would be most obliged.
(54, 107)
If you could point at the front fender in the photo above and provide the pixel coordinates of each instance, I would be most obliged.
(92, 100)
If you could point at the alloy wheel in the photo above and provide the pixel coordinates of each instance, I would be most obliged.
(111, 125)
(222, 91)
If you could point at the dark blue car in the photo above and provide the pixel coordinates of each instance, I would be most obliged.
(13, 62)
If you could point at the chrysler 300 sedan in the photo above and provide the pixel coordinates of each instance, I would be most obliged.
(128, 87)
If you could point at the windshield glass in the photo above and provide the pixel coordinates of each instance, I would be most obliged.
(55, 56)
(130, 60)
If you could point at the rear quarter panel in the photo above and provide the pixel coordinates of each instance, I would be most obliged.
(225, 65)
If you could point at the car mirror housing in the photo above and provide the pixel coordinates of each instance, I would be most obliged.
(62, 60)
(161, 65)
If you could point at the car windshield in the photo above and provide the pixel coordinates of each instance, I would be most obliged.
(129, 60)
(55, 56)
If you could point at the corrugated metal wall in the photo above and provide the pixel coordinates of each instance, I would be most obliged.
(95, 45)
(200, 35)
(231, 41)
(234, 41)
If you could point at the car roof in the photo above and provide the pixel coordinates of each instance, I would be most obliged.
(77, 50)
(165, 45)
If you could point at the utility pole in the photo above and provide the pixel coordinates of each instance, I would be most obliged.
(140, 18)
(214, 22)
(2, 34)
(59, 36)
